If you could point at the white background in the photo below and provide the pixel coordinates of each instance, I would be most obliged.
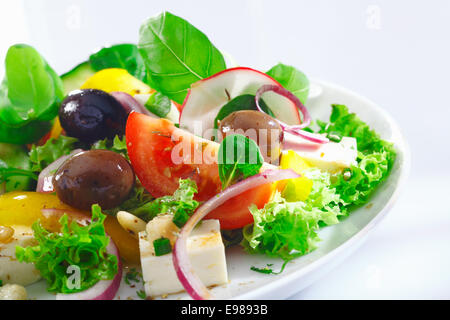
(396, 53)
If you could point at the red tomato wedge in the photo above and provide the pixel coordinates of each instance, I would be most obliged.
(161, 154)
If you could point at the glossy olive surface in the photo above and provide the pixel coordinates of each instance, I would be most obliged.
(94, 177)
(92, 115)
(258, 126)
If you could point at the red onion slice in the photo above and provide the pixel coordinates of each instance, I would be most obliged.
(190, 281)
(102, 290)
(306, 118)
(129, 103)
(45, 179)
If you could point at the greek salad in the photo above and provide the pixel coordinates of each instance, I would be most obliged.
(146, 161)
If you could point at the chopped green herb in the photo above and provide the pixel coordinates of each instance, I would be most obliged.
(133, 276)
(267, 269)
(334, 136)
(162, 246)
(141, 294)
(180, 218)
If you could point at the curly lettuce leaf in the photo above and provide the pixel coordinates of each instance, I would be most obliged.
(181, 204)
(283, 229)
(118, 145)
(42, 156)
(375, 157)
(289, 229)
(75, 245)
(323, 196)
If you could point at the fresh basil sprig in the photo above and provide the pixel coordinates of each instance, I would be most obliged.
(30, 95)
(124, 56)
(239, 158)
(176, 55)
(291, 79)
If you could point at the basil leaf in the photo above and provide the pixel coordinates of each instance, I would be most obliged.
(243, 102)
(176, 55)
(158, 104)
(239, 158)
(291, 79)
(15, 167)
(124, 56)
(31, 89)
(31, 132)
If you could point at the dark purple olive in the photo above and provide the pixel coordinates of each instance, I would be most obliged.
(94, 177)
(258, 126)
(90, 115)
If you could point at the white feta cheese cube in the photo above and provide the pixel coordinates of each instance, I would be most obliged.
(332, 156)
(206, 253)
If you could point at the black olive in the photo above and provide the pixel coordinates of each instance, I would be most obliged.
(92, 115)
(94, 177)
(258, 126)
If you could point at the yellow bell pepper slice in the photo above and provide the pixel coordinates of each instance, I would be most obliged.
(24, 208)
(297, 189)
(116, 79)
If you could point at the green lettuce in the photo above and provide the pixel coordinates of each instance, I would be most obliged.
(118, 145)
(53, 149)
(289, 229)
(181, 204)
(375, 159)
(75, 245)
(284, 229)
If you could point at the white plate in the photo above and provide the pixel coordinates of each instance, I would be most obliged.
(338, 241)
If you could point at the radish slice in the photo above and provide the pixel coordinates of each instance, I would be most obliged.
(293, 129)
(45, 179)
(190, 281)
(102, 290)
(206, 97)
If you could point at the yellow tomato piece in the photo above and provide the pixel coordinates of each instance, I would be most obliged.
(24, 208)
(116, 79)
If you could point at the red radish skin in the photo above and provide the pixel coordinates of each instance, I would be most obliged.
(236, 81)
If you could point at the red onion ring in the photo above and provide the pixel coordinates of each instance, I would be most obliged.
(45, 178)
(183, 268)
(306, 118)
(129, 103)
(102, 290)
